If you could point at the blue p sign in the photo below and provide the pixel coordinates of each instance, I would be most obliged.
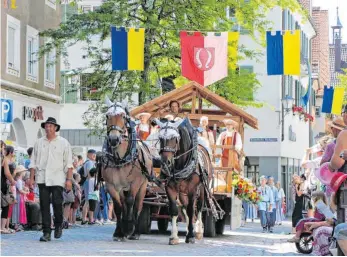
(6, 110)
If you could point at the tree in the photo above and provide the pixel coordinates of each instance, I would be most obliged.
(343, 83)
(162, 19)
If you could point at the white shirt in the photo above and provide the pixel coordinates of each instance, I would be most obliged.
(143, 127)
(223, 135)
(51, 161)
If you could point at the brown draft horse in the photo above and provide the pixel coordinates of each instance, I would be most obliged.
(183, 173)
(124, 165)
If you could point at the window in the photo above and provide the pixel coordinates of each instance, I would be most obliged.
(252, 172)
(13, 46)
(50, 69)
(246, 69)
(52, 4)
(317, 111)
(86, 8)
(297, 93)
(88, 88)
(288, 85)
(32, 60)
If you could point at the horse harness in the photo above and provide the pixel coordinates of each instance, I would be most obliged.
(191, 163)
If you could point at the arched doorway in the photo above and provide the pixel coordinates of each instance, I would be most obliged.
(21, 139)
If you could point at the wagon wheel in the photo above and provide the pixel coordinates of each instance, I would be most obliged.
(163, 224)
(145, 220)
(220, 224)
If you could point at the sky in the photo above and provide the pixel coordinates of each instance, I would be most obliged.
(331, 6)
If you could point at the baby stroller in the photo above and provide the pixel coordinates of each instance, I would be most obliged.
(305, 245)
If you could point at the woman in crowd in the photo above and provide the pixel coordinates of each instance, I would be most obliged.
(337, 163)
(78, 197)
(206, 133)
(281, 201)
(298, 186)
(5, 176)
(318, 216)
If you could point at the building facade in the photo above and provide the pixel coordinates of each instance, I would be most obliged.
(320, 66)
(338, 52)
(278, 146)
(29, 85)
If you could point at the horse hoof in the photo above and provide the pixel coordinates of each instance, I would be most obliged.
(190, 240)
(199, 236)
(134, 237)
(119, 239)
(174, 241)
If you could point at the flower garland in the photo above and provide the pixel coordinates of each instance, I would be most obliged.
(245, 190)
(302, 114)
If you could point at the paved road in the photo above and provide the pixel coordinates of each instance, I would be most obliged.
(97, 240)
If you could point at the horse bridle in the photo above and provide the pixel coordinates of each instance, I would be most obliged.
(166, 148)
(122, 131)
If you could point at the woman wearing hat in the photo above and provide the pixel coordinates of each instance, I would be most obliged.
(206, 132)
(143, 130)
(51, 167)
(338, 163)
(230, 137)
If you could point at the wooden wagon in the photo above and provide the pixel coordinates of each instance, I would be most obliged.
(198, 101)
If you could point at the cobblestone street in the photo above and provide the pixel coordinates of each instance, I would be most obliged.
(97, 240)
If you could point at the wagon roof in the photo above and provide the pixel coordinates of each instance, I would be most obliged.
(193, 92)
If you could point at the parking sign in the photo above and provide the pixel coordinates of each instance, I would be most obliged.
(6, 110)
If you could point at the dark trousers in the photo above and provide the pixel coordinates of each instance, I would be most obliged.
(57, 201)
(33, 213)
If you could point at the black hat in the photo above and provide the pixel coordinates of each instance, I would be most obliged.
(53, 121)
(344, 109)
(91, 151)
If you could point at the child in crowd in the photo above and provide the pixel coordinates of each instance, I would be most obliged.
(93, 195)
(317, 197)
(78, 196)
(19, 216)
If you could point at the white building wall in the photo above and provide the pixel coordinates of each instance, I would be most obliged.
(269, 116)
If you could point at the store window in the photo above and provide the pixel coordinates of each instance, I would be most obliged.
(252, 172)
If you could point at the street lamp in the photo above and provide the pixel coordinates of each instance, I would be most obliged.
(287, 104)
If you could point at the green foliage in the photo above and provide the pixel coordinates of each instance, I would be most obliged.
(162, 19)
(343, 83)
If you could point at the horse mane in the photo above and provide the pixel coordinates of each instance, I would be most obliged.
(185, 144)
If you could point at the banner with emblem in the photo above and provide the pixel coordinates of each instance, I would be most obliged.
(204, 58)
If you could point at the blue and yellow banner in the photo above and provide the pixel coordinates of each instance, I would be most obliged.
(283, 53)
(128, 49)
(333, 100)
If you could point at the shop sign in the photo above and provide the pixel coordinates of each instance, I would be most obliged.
(263, 139)
(6, 106)
(32, 113)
